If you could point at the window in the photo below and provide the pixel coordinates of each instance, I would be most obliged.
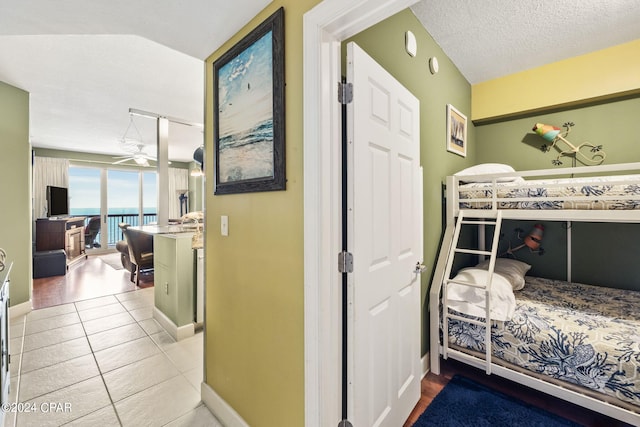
(129, 196)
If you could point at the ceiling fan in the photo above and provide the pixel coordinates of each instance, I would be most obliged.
(134, 146)
(137, 155)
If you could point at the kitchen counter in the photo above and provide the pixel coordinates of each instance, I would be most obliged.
(165, 229)
(174, 262)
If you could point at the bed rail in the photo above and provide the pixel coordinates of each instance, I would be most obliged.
(438, 348)
(587, 175)
(490, 363)
(552, 389)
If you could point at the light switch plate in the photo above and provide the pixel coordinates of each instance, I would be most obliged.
(224, 225)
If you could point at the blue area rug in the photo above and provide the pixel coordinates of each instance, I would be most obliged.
(466, 403)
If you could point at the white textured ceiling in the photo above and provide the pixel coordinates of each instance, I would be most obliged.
(492, 38)
(86, 62)
(81, 89)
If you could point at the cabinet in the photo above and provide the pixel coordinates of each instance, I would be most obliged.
(67, 234)
(173, 265)
(4, 339)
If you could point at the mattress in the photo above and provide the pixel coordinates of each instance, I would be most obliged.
(599, 193)
(584, 335)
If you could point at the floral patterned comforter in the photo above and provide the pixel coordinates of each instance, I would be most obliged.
(582, 334)
(562, 194)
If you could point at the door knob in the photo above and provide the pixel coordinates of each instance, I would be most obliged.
(420, 268)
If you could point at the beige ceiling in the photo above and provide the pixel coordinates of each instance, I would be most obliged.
(86, 62)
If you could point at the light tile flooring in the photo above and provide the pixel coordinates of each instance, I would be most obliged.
(107, 362)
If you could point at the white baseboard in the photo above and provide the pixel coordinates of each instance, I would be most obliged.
(220, 409)
(426, 366)
(177, 332)
(20, 309)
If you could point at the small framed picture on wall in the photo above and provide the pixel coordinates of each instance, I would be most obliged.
(456, 131)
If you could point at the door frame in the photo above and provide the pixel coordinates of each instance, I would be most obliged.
(324, 28)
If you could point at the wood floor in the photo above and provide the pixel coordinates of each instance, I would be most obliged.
(87, 278)
(432, 384)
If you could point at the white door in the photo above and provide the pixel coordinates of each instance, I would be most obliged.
(385, 237)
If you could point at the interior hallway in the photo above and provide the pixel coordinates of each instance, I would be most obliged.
(104, 361)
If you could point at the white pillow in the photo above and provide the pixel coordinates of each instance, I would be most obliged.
(488, 168)
(512, 269)
(470, 300)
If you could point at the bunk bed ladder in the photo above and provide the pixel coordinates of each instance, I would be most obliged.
(496, 222)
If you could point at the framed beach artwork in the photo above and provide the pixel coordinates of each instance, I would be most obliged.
(456, 131)
(249, 112)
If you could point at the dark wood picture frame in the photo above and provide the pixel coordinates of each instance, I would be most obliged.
(249, 113)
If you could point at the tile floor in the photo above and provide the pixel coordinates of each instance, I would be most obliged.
(104, 361)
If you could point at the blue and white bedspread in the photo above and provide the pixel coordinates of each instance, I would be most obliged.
(593, 193)
(582, 334)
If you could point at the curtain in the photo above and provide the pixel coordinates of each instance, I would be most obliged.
(47, 171)
(178, 184)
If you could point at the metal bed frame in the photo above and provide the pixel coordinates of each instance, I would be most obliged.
(437, 292)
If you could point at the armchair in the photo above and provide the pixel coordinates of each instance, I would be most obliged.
(140, 246)
(125, 258)
(91, 231)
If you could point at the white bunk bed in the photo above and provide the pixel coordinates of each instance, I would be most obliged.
(592, 194)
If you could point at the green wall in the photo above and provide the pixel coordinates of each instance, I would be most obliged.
(254, 276)
(15, 189)
(609, 124)
(603, 254)
(384, 42)
(606, 254)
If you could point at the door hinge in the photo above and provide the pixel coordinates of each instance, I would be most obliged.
(345, 423)
(345, 262)
(345, 93)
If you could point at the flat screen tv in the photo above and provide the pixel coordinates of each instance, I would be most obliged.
(57, 201)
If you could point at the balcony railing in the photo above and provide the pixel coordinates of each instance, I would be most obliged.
(113, 231)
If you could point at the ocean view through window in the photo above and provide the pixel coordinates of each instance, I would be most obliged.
(131, 197)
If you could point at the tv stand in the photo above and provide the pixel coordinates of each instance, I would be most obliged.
(62, 233)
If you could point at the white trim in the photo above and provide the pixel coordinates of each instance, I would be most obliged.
(177, 332)
(20, 309)
(219, 408)
(325, 26)
(434, 295)
(425, 365)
